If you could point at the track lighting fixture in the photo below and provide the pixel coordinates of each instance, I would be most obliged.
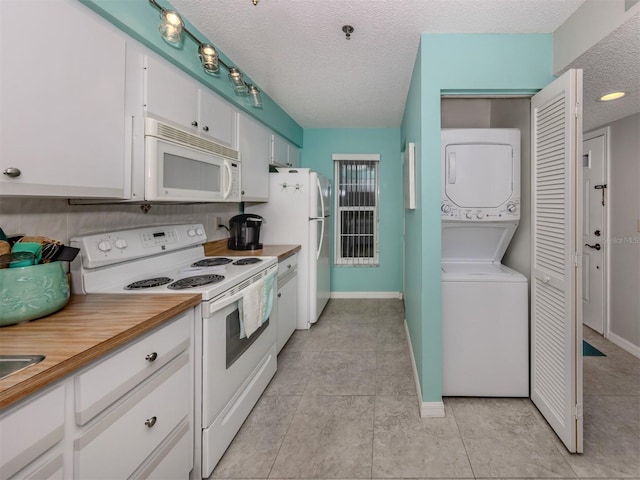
(172, 27)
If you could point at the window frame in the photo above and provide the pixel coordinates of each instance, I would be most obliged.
(338, 259)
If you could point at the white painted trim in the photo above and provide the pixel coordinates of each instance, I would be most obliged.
(427, 409)
(366, 295)
(606, 133)
(370, 157)
(432, 410)
(624, 344)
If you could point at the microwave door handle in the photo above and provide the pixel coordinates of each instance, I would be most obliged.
(227, 190)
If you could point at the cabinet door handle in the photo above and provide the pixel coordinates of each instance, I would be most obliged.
(205, 128)
(150, 422)
(279, 295)
(194, 123)
(12, 172)
(151, 357)
(288, 266)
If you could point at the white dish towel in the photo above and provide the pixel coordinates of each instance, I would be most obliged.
(256, 305)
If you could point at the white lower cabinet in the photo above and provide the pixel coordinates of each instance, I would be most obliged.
(120, 442)
(128, 415)
(287, 296)
(30, 429)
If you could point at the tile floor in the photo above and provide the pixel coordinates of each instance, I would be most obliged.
(343, 405)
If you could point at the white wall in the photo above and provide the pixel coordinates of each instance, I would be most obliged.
(624, 236)
(55, 219)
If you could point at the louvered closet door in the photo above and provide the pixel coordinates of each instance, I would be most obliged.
(556, 299)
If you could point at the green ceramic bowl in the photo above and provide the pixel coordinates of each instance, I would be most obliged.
(27, 293)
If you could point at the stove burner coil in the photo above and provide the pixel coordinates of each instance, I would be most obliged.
(247, 261)
(195, 281)
(149, 283)
(212, 262)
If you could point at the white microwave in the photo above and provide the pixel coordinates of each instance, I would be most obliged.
(182, 167)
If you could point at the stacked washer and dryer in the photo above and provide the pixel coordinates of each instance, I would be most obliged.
(485, 328)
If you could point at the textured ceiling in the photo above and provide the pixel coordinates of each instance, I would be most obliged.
(295, 51)
(611, 65)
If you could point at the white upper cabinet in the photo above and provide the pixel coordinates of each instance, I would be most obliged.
(174, 96)
(255, 156)
(62, 101)
(217, 119)
(283, 153)
(280, 152)
(294, 156)
(170, 93)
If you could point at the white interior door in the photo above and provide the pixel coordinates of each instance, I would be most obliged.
(594, 231)
(556, 277)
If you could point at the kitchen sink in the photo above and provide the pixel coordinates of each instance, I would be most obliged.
(12, 363)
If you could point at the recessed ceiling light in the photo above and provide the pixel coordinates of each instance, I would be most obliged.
(612, 96)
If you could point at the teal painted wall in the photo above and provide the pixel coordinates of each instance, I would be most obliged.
(319, 145)
(411, 131)
(462, 64)
(139, 19)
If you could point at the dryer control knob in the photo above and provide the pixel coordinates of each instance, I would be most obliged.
(199, 231)
(511, 207)
(479, 215)
(468, 214)
(121, 243)
(191, 232)
(445, 208)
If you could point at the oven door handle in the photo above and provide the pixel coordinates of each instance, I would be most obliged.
(217, 305)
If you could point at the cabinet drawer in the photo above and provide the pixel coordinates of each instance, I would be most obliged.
(50, 469)
(173, 460)
(287, 265)
(30, 430)
(118, 444)
(105, 382)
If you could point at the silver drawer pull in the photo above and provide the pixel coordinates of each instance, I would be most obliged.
(151, 357)
(12, 172)
(150, 422)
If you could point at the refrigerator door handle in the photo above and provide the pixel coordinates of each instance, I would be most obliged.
(321, 197)
(319, 249)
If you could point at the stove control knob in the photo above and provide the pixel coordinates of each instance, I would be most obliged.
(104, 246)
(468, 214)
(445, 208)
(191, 232)
(511, 208)
(121, 243)
(199, 231)
(479, 215)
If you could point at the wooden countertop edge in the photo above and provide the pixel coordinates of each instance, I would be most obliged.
(217, 248)
(57, 372)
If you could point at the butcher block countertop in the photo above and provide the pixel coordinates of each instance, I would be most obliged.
(88, 327)
(218, 248)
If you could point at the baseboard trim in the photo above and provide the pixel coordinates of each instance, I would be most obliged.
(427, 409)
(432, 410)
(366, 295)
(624, 344)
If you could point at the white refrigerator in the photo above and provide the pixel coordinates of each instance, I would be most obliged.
(298, 213)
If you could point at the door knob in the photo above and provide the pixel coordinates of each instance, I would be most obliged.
(596, 246)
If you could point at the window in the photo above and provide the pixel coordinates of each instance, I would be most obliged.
(356, 209)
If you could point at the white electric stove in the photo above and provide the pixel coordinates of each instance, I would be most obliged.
(231, 370)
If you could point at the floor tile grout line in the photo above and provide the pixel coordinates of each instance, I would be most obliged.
(464, 445)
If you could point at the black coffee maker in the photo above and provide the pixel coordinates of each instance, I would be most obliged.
(245, 232)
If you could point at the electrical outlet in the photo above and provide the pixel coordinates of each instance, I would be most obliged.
(217, 221)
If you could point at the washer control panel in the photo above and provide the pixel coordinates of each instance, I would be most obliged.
(510, 211)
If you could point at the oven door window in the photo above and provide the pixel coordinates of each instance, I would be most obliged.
(236, 346)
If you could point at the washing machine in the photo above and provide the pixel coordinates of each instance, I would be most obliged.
(485, 326)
